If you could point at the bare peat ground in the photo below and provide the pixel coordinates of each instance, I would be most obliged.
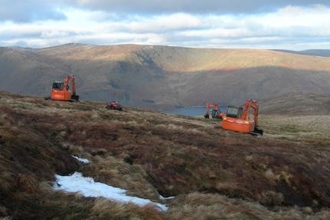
(211, 173)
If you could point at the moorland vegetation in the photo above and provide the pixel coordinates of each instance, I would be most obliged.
(210, 172)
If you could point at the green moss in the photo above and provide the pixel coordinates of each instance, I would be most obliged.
(291, 128)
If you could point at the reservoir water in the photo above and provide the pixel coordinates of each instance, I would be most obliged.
(194, 111)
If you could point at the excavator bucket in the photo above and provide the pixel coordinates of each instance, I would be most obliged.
(257, 132)
(74, 98)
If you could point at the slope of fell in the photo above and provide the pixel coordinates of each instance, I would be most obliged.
(179, 59)
(312, 52)
(175, 59)
(209, 171)
(162, 77)
(297, 104)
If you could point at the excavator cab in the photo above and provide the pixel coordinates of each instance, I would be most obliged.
(58, 85)
(234, 112)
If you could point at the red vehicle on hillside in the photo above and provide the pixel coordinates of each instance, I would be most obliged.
(115, 105)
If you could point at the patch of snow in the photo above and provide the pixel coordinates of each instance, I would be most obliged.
(88, 188)
(85, 161)
(166, 198)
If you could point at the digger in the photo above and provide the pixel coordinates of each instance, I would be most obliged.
(64, 90)
(214, 109)
(243, 119)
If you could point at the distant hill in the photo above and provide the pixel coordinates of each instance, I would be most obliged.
(315, 52)
(163, 77)
(296, 104)
(323, 53)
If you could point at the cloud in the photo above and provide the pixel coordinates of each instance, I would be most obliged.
(33, 10)
(191, 6)
(104, 22)
(28, 11)
(157, 24)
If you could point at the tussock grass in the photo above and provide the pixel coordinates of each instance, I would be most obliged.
(211, 206)
(299, 128)
(105, 209)
(211, 172)
(27, 183)
(118, 173)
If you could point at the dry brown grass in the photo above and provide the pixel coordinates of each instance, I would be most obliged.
(211, 172)
(212, 206)
(105, 209)
(297, 128)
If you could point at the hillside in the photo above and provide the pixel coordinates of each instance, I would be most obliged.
(211, 173)
(162, 77)
(320, 52)
(296, 104)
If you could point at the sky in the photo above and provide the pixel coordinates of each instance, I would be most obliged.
(77, 183)
(257, 24)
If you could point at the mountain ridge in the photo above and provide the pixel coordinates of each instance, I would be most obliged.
(167, 77)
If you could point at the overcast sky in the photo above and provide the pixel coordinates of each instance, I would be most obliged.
(271, 24)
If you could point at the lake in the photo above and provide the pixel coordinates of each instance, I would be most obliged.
(194, 111)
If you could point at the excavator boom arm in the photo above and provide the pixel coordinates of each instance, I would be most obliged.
(251, 104)
(73, 85)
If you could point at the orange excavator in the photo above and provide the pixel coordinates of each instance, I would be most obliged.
(243, 119)
(64, 90)
(214, 109)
